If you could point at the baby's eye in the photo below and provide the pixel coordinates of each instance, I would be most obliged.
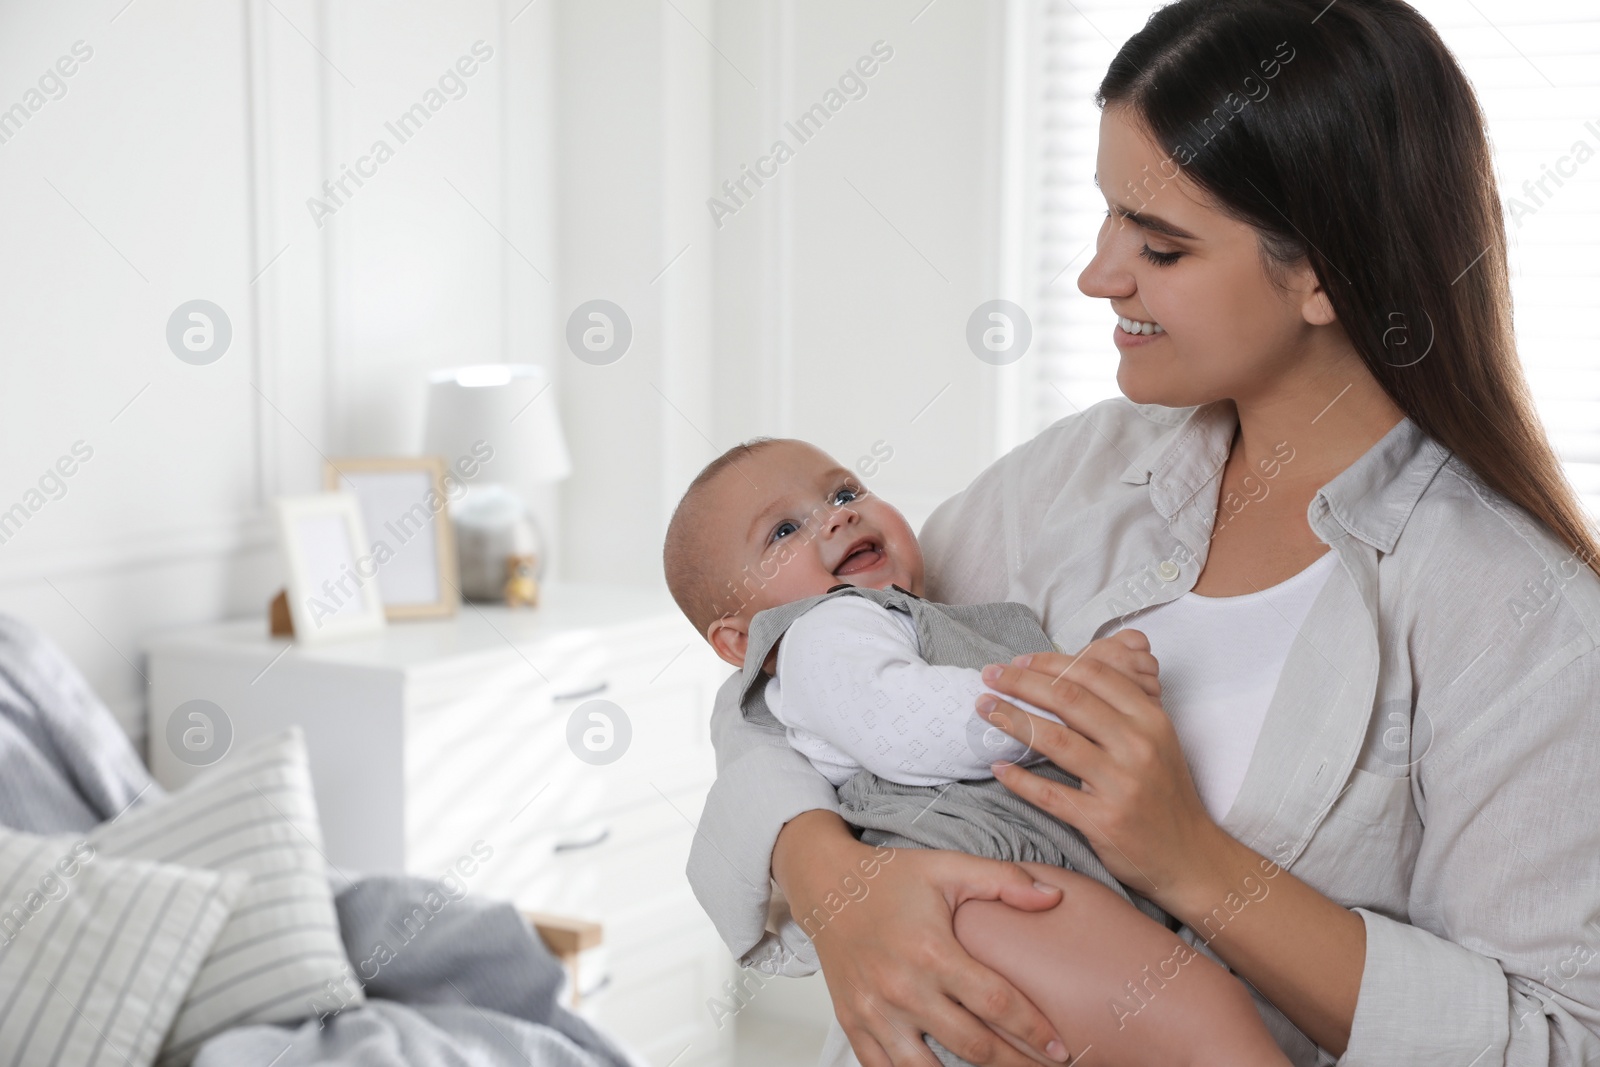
(782, 530)
(845, 494)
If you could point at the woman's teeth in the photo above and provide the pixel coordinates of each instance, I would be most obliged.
(1135, 326)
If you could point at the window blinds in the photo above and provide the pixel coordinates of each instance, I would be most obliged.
(1533, 64)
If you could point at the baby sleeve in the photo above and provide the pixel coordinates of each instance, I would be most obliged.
(854, 692)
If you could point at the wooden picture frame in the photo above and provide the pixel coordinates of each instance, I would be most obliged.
(332, 588)
(406, 512)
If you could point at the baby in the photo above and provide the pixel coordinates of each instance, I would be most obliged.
(813, 588)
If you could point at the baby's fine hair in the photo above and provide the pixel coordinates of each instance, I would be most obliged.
(682, 557)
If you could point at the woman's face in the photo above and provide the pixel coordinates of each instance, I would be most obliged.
(1166, 258)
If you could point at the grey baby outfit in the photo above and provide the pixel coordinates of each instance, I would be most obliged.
(980, 817)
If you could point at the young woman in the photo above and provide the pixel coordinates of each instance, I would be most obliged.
(1332, 509)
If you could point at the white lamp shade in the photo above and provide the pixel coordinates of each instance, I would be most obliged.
(511, 408)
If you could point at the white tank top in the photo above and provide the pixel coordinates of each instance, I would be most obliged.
(1220, 661)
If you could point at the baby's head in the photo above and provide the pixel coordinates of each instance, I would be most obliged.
(774, 521)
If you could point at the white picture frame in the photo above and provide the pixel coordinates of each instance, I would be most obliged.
(406, 516)
(332, 585)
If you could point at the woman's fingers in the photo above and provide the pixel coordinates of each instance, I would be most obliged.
(964, 1035)
(884, 1044)
(1018, 890)
(986, 994)
(1108, 652)
(1069, 805)
(1075, 705)
(865, 1045)
(1133, 639)
(902, 1046)
(986, 879)
(1126, 651)
(883, 1028)
(896, 971)
(1060, 744)
(983, 992)
(1084, 693)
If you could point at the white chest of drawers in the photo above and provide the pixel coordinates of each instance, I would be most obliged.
(438, 740)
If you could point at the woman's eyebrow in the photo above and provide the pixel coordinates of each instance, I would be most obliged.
(1153, 223)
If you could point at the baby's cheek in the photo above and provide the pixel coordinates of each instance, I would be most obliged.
(801, 576)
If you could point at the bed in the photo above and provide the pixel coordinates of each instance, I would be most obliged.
(206, 927)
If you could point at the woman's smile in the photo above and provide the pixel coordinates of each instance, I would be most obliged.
(1134, 333)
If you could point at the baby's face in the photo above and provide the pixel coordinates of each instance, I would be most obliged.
(792, 524)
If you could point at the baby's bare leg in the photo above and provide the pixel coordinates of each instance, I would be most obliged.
(1107, 976)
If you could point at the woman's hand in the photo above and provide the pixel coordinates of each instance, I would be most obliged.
(888, 949)
(1140, 811)
(1138, 806)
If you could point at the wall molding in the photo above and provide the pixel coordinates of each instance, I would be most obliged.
(780, 231)
(1013, 76)
(117, 550)
(194, 540)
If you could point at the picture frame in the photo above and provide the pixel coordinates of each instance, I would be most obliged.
(332, 589)
(405, 511)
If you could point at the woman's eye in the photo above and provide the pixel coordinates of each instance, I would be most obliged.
(783, 529)
(1160, 259)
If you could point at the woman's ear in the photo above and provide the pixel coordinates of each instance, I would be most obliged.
(1315, 307)
(730, 637)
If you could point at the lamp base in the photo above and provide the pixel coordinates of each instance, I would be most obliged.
(499, 543)
(522, 584)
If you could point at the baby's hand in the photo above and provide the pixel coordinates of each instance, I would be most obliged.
(1126, 651)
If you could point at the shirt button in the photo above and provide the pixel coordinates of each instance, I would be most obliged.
(1167, 571)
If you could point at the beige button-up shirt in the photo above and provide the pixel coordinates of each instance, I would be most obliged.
(1430, 758)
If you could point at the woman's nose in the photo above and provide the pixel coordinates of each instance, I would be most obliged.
(1105, 277)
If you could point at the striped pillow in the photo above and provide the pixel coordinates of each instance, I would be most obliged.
(96, 953)
(253, 813)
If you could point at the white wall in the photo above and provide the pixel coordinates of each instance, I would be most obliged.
(577, 165)
(190, 143)
(127, 197)
(632, 151)
(845, 283)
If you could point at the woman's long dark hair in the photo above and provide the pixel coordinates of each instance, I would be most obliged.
(1357, 144)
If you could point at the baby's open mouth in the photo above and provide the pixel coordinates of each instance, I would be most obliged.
(862, 556)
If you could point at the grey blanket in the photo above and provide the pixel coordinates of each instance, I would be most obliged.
(65, 764)
(476, 988)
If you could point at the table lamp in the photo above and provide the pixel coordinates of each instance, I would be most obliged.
(501, 417)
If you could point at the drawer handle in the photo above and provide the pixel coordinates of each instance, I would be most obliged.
(578, 846)
(579, 694)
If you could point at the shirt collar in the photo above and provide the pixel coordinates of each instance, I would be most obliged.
(1374, 496)
(1182, 460)
(1371, 499)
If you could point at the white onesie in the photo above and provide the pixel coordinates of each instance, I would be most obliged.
(853, 692)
